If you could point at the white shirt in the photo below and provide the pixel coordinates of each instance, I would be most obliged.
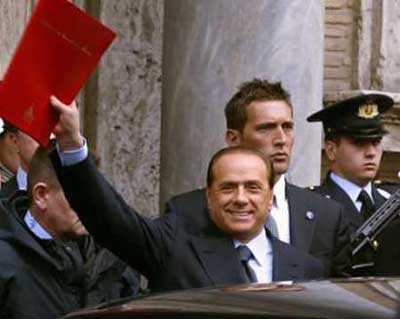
(280, 210)
(75, 156)
(351, 189)
(35, 227)
(262, 262)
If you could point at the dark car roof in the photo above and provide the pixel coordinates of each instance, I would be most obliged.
(347, 298)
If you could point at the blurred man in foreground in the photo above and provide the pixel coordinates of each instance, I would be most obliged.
(47, 269)
(39, 275)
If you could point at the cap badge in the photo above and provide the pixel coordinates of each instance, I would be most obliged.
(368, 111)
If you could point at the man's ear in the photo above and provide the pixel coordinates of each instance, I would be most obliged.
(209, 206)
(330, 150)
(271, 200)
(40, 195)
(208, 198)
(12, 137)
(233, 137)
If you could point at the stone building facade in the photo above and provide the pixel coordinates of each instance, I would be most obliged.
(176, 62)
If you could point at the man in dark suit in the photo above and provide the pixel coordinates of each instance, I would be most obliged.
(25, 148)
(353, 145)
(260, 115)
(236, 248)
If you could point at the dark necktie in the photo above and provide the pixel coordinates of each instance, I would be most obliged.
(245, 255)
(367, 207)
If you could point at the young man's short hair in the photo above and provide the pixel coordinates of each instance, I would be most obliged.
(255, 90)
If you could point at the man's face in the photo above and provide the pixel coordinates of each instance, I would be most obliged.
(61, 218)
(269, 129)
(9, 156)
(240, 198)
(354, 159)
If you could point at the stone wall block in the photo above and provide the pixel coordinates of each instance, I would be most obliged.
(332, 85)
(334, 59)
(342, 17)
(341, 72)
(340, 44)
(336, 31)
(336, 4)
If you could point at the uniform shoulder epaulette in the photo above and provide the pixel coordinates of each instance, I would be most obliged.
(313, 189)
(386, 186)
(378, 182)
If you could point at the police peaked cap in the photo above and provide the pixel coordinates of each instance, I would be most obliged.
(358, 117)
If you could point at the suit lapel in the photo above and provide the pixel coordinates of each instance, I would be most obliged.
(301, 227)
(378, 198)
(219, 259)
(337, 193)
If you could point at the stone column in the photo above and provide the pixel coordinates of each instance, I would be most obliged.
(13, 17)
(122, 100)
(210, 47)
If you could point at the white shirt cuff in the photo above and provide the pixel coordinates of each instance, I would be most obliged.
(75, 156)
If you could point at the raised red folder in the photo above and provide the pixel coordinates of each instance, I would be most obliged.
(59, 49)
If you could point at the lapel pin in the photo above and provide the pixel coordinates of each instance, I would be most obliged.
(309, 215)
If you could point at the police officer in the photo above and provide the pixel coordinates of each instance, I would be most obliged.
(9, 158)
(353, 145)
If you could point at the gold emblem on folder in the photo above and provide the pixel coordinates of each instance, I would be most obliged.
(28, 114)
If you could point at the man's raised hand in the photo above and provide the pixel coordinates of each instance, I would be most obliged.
(67, 129)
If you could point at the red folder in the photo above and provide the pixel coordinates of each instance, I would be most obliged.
(58, 50)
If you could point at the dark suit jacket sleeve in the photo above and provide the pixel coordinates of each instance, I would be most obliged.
(141, 242)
